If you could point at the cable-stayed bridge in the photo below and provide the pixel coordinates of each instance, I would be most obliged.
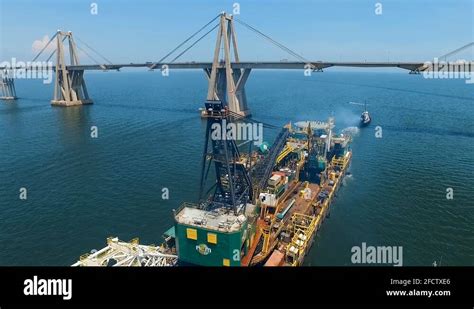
(226, 74)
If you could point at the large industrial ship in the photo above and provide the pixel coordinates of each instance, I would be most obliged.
(262, 206)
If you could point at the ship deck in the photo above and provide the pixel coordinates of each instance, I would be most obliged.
(302, 205)
(277, 256)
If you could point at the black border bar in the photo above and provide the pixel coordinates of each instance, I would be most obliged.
(196, 285)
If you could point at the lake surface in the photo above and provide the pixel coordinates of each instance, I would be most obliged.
(81, 190)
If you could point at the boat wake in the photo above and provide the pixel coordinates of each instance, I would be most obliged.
(347, 179)
(352, 131)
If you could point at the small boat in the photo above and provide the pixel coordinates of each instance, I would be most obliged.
(365, 118)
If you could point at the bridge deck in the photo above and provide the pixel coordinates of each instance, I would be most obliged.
(243, 65)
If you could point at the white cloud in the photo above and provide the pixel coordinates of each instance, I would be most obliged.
(38, 45)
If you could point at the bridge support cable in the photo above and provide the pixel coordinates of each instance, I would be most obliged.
(88, 55)
(94, 51)
(193, 44)
(44, 47)
(279, 45)
(456, 51)
(418, 69)
(182, 43)
(54, 52)
(7, 83)
(103, 66)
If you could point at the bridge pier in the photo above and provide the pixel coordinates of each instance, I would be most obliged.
(7, 87)
(225, 84)
(239, 103)
(69, 86)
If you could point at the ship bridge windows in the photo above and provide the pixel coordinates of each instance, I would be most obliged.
(191, 233)
(212, 238)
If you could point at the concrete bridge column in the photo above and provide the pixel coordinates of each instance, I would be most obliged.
(69, 86)
(225, 84)
(7, 87)
(240, 77)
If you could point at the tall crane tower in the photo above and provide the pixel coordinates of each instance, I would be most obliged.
(233, 186)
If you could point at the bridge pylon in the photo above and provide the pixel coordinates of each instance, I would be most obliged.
(7, 87)
(69, 86)
(225, 84)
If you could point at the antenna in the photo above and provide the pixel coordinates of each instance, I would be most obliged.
(330, 123)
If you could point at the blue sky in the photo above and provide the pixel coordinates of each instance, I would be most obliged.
(138, 31)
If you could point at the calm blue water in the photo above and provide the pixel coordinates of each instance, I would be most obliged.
(82, 190)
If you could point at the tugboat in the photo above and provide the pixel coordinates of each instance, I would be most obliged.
(365, 117)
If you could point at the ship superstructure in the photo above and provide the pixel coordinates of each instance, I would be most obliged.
(260, 206)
